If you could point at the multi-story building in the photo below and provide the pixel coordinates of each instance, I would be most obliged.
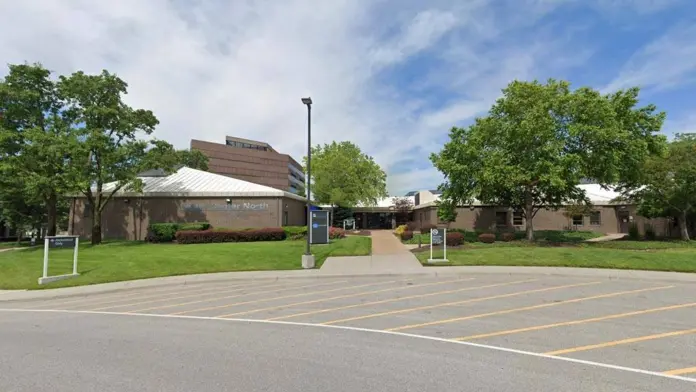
(252, 161)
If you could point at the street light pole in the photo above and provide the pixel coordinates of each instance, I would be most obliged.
(308, 258)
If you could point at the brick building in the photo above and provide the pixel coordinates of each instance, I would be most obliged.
(190, 195)
(252, 161)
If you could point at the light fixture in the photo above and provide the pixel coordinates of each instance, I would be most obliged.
(471, 207)
(307, 101)
(228, 201)
(126, 201)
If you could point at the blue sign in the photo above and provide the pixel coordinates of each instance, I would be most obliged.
(315, 225)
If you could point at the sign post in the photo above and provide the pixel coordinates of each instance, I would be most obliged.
(59, 242)
(437, 237)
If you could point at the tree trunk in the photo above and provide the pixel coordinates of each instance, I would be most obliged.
(529, 216)
(96, 226)
(683, 227)
(19, 236)
(52, 212)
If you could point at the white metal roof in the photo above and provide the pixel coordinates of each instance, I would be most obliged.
(187, 182)
(381, 203)
(596, 194)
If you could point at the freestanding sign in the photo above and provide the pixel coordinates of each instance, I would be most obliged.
(438, 237)
(59, 242)
(319, 231)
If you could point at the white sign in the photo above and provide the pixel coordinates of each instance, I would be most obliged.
(438, 237)
(63, 241)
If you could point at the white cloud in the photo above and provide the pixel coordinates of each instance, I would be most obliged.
(667, 62)
(214, 68)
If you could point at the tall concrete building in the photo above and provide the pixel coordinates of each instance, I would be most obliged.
(252, 161)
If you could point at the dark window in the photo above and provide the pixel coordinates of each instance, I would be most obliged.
(578, 220)
(87, 213)
(501, 218)
(595, 218)
(517, 218)
(285, 218)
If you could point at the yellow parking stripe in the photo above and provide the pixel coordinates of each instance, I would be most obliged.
(457, 303)
(545, 305)
(285, 297)
(233, 296)
(678, 372)
(107, 298)
(337, 297)
(399, 299)
(161, 298)
(620, 342)
(575, 322)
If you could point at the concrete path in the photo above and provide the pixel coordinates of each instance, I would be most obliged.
(389, 255)
(608, 237)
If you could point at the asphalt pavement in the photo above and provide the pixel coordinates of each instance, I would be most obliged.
(478, 332)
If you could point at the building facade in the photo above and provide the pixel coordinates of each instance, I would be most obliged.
(252, 161)
(188, 196)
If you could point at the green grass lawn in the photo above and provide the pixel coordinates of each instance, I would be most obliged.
(119, 261)
(640, 255)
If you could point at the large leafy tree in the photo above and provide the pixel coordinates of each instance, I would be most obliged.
(342, 175)
(110, 153)
(36, 143)
(667, 184)
(539, 141)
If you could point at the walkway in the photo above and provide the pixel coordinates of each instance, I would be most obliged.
(389, 255)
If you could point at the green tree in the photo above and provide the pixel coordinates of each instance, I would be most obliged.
(446, 211)
(667, 186)
(343, 176)
(540, 140)
(193, 159)
(402, 207)
(36, 140)
(110, 154)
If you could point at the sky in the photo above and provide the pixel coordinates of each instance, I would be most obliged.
(392, 76)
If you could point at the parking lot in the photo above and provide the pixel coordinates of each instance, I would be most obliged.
(637, 324)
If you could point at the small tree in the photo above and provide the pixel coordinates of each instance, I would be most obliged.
(402, 207)
(572, 210)
(446, 211)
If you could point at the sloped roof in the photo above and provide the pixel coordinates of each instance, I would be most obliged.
(187, 182)
(596, 194)
(381, 203)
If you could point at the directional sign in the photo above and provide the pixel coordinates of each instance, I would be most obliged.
(61, 242)
(436, 236)
(319, 234)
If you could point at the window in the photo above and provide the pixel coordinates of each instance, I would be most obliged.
(285, 218)
(517, 218)
(577, 220)
(501, 218)
(595, 218)
(87, 213)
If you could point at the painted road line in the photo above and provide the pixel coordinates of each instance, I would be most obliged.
(286, 296)
(105, 297)
(575, 322)
(467, 301)
(400, 299)
(583, 362)
(168, 298)
(677, 372)
(620, 342)
(540, 306)
(337, 297)
(233, 296)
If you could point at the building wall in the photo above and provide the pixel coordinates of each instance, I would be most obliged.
(268, 168)
(484, 219)
(129, 220)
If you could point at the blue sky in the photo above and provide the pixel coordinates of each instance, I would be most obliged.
(390, 75)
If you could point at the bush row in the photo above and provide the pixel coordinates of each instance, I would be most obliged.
(208, 236)
(166, 232)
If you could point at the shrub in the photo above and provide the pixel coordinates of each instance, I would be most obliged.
(336, 233)
(425, 229)
(412, 226)
(507, 237)
(400, 229)
(295, 231)
(650, 234)
(161, 232)
(455, 239)
(633, 232)
(406, 235)
(195, 226)
(487, 238)
(207, 236)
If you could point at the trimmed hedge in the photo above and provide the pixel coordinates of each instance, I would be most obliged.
(406, 235)
(166, 232)
(295, 231)
(487, 238)
(425, 229)
(455, 239)
(207, 236)
(507, 237)
(401, 229)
